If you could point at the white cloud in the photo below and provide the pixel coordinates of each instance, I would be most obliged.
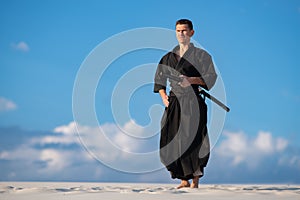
(7, 105)
(281, 144)
(21, 46)
(239, 148)
(23, 152)
(95, 136)
(56, 160)
(58, 155)
(63, 135)
(264, 143)
(108, 143)
(66, 129)
(62, 139)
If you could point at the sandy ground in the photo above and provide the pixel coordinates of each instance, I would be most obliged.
(132, 191)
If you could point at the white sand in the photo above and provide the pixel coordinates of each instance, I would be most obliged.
(137, 191)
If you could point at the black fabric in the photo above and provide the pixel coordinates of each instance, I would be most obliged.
(184, 141)
(195, 62)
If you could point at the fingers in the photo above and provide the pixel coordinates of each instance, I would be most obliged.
(184, 83)
(165, 100)
(166, 103)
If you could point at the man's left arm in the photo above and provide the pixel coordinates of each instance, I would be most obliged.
(206, 68)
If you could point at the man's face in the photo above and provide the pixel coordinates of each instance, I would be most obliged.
(183, 33)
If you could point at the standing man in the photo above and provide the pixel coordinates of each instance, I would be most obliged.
(184, 142)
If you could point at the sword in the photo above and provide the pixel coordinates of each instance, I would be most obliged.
(202, 91)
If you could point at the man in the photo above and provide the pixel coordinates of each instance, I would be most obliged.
(184, 142)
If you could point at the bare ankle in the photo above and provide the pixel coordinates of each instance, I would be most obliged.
(184, 183)
(195, 182)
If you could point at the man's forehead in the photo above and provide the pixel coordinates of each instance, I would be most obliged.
(182, 27)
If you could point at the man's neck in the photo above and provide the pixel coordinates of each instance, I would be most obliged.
(183, 48)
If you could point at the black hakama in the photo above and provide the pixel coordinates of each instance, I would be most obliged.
(184, 141)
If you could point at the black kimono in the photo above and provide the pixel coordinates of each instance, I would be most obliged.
(184, 142)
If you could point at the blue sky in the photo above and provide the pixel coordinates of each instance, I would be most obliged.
(44, 43)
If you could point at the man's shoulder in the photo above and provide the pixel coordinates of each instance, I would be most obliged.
(201, 52)
(168, 53)
(166, 56)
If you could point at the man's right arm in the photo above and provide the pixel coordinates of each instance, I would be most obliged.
(164, 97)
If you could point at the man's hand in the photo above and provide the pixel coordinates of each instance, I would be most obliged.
(164, 97)
(185, 81)
(166, 100)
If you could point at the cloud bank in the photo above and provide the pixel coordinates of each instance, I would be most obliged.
(59, 155)
(260, 158)
(239, 148)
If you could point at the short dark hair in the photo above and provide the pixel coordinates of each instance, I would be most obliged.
(185, 21)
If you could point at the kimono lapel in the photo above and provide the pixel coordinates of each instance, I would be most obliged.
(179, 65)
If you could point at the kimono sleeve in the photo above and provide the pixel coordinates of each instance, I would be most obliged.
(160, 81)
(208, 74)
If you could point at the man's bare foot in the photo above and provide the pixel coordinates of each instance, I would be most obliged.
(195, 182)
(183, 184)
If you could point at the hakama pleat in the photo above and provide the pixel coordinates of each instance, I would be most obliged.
(183, 135)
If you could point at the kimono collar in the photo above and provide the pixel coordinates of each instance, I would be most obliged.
(191, 46)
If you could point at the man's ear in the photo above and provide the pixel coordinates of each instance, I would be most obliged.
(192, 33)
